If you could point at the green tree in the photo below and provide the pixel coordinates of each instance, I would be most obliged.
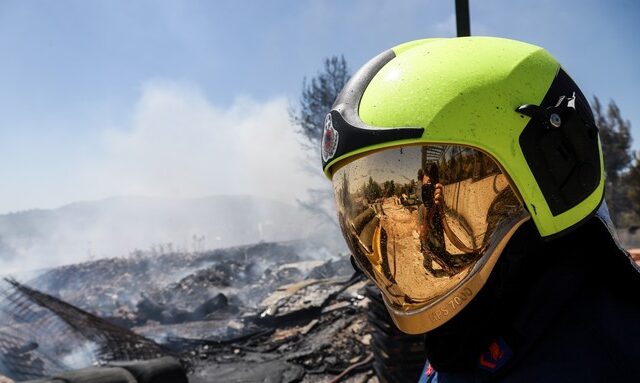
(345, 197)
(372, 190)
(631, 181)
(615, 135)
(317, 98)
(388, 188)
(315, 102)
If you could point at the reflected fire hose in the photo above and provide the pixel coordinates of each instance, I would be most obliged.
(453, 237)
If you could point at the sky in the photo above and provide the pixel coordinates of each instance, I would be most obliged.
(190, 98)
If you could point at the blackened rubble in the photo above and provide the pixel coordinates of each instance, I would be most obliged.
(240, 314)
(107, 285)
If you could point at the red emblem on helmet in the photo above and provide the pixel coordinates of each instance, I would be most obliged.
(329, 139)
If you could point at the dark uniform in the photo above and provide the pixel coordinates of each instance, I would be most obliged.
(567, 310)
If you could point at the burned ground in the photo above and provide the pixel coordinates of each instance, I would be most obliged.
(241, 314)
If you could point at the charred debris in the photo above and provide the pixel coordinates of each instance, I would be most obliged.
(249, 313)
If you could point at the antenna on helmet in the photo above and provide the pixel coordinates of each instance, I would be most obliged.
(462, 18)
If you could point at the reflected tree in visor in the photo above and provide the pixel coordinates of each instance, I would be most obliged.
(421, 221)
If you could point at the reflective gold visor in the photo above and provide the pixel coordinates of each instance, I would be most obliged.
(426, 224)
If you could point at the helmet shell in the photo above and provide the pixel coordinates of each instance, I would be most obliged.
(466, 91)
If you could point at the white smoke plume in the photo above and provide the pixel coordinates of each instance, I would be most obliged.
(177, 149)
(180, 144)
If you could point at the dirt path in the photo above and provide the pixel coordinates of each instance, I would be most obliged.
(404, 257)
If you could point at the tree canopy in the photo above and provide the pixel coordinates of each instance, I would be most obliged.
(621, 168)
(317, 97)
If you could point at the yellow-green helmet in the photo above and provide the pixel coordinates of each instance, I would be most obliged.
(508, 102)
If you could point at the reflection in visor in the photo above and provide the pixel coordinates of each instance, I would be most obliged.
(420, 219)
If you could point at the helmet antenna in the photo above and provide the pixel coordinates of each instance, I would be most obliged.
(462, 18)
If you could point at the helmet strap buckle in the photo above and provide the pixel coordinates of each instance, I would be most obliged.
(551, 117)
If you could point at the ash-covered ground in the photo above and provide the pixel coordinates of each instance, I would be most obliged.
(277, 312)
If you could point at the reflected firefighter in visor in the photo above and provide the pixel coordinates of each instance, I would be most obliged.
(501, 251)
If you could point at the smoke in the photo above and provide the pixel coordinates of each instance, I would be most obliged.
(177, 148)
(82, 356)
(179, 144)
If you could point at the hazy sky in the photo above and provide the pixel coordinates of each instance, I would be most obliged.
(190, 98)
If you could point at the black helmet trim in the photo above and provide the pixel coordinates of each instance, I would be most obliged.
(560, 145)
(344, 130)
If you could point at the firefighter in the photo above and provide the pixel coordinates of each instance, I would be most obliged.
(522, 278)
